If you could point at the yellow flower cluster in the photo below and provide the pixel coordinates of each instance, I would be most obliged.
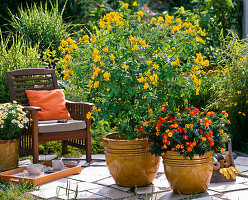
(67, 46)
(176, 63)
(113, 17)
(67, 73)
(200, 61)
(199, 39)
(133, 39)
(140, 13)
(106, 75)
(125, 66)
(196, 83)
(125, 5)
(135, 47)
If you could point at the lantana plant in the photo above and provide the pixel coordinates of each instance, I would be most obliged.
(189, 132)
(133, 63)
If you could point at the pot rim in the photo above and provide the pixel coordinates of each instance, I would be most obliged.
(122, 140)
(195, 157)
(13, 140)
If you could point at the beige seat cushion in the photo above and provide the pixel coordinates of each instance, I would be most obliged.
(54, 126)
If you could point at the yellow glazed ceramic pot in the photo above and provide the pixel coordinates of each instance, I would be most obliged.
(128, 161)
(187, 176)
(9, 154)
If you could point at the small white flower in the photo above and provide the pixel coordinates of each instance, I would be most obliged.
(20, 126)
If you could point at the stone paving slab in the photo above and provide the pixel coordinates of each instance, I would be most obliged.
(95, 182)
(226, 187)
(241, 161)
(173, 196)
(91, 174)
(237, 195)
(111, 193)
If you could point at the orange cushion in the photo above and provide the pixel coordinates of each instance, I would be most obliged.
(52, 104)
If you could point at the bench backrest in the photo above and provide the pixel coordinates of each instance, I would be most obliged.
(30, 79)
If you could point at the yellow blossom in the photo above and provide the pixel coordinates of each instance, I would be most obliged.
(125, 5)
(201, 32)
(140, 13)
(199, 39)
(102, 24)
(90, 83)
(149, 62)
(132, 39)
(197, 91)
(148, 72)
(146, 86)
(155, 66)
(86, 37)
(206, 63)
(112, 57)
(125, 66)
(143, 42)
(69, 40)
(150, 111)
(135, 3)
(94, 108)
(136, 47)
(139, 19)
(97, 58)
(152, 20)
(96, 84)
(105, 49)
(64, 43)
(160, 19)
(88, 115)
(176, 63)
(106, 75)
(239, 92)
(102, 63)
(142, 79)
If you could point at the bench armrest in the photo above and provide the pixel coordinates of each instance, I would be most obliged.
(79, 103)
(32, 108)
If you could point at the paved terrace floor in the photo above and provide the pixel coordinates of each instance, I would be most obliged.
(95, 182)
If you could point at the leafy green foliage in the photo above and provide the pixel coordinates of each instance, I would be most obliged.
(132, 66)
(9, 191)
(230, 85)
(15, 54)
(39, 25)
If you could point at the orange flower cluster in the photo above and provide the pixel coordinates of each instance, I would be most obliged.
(189, 132)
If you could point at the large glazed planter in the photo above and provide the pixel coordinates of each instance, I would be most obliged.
(187, 176)
(128, 161)
(9, 154)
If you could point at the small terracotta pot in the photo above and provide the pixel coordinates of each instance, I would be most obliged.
(187, 176)
(128, 161)
(9, 154)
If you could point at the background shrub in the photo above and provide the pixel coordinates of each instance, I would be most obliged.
(229, 88)
(15, 56)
